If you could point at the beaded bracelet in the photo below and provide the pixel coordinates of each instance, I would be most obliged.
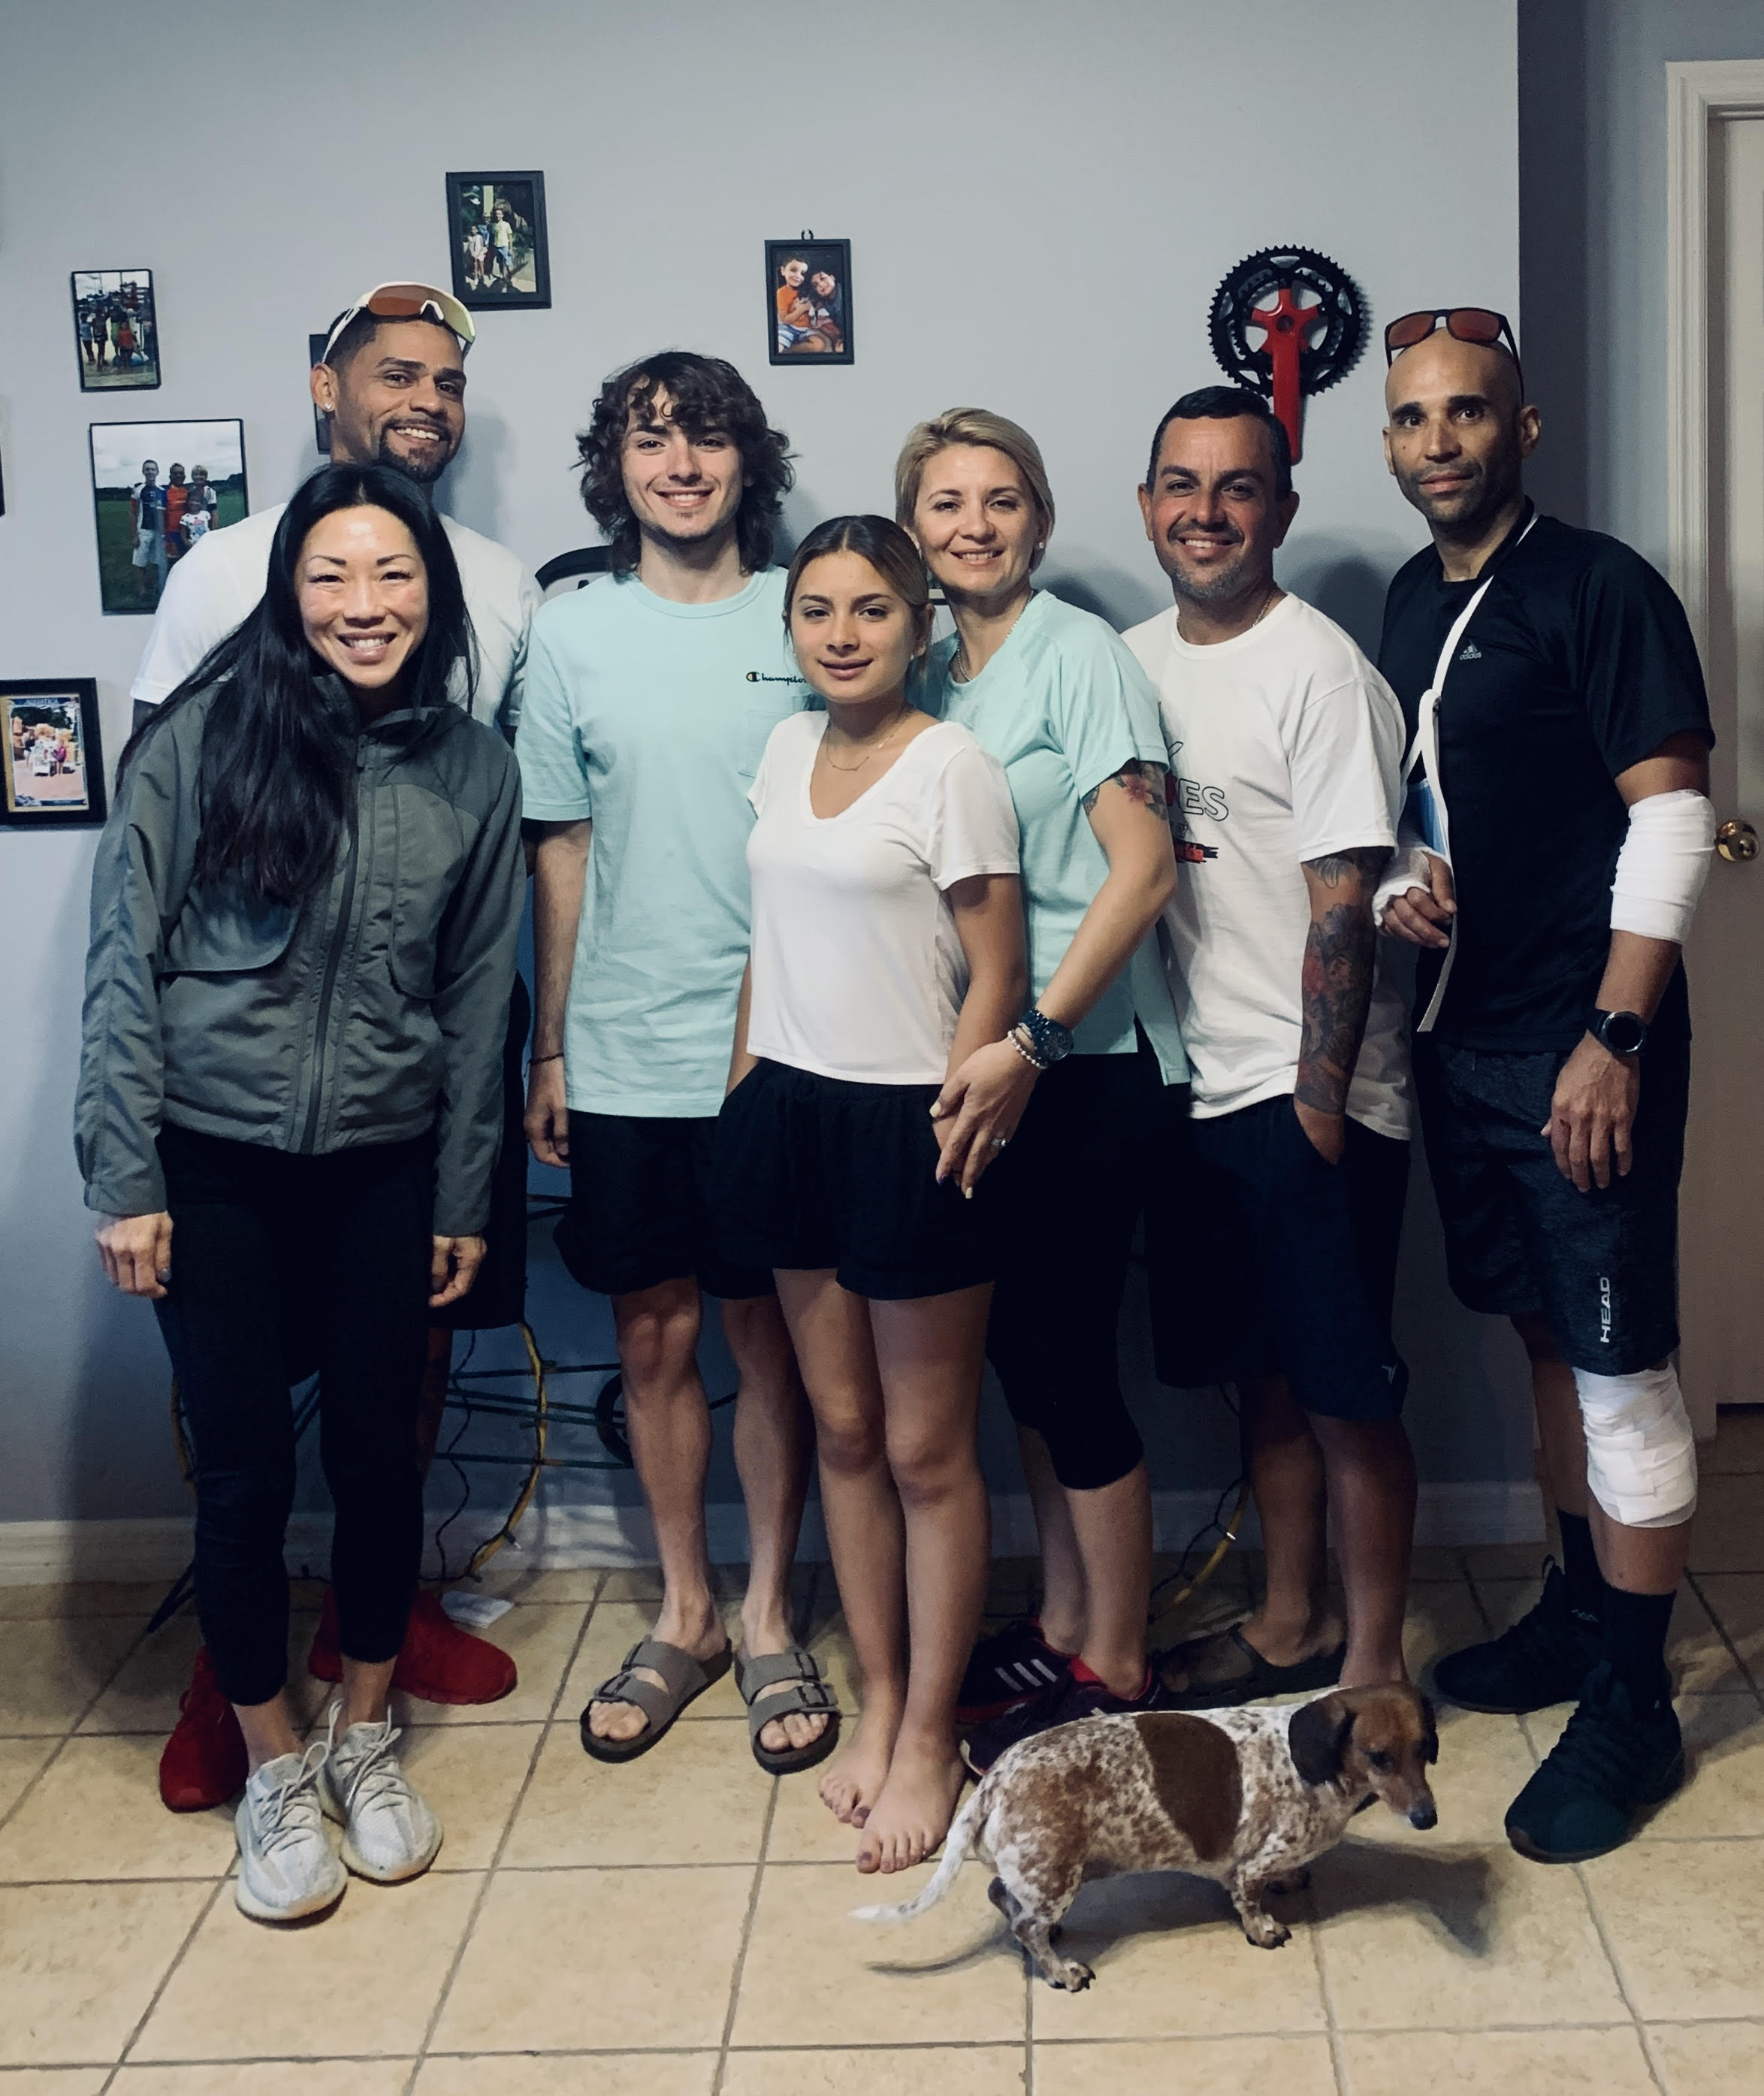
(1015, 1037)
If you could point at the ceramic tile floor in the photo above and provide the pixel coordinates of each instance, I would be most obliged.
(680, 1926)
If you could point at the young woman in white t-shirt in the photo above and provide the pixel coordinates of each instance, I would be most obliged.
(887, 945)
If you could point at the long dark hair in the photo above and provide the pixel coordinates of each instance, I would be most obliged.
(277, 753)
(707, 393)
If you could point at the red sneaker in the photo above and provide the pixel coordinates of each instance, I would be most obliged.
(438, 1662)
(204, 1763)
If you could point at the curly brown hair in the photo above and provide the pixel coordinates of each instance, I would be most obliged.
(706, 393)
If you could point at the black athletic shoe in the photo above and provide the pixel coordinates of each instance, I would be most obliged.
(1609, 1766)
(1007, 1668)
(1069, 1699)
(1544, 1658)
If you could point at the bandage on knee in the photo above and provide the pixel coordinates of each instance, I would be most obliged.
(1641, 1454)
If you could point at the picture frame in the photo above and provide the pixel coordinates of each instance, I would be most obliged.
(143, 528)
(496, 239)
(808, 301)
(54, 757)
(116, 330)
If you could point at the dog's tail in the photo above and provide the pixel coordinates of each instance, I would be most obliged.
(956, 1844)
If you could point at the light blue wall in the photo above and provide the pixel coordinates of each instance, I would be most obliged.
(1041, 199)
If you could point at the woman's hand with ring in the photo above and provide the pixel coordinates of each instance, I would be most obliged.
(977, 1111)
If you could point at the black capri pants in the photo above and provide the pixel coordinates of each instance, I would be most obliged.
(1065, 1198)
(276, 1260)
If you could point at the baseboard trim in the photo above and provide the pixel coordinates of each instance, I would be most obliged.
(55, 1553)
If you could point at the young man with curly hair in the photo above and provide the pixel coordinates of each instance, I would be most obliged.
(649, 698)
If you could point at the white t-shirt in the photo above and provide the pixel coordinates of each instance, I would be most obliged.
(220, 580)
(858, 972)
(1287, 745)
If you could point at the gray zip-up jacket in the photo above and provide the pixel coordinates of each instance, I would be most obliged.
(369, 1012)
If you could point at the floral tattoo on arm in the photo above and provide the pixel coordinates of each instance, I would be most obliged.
(1144, 784)
(1336, 990)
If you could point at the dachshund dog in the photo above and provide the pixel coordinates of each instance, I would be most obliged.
(1247, 1796)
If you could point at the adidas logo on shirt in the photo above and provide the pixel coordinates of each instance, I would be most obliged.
(1469, 653)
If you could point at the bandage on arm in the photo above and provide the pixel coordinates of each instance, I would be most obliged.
(1663, 864)
(1408, 869)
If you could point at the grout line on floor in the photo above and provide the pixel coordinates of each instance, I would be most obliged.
(85, 1710)
(1617, 1974)
(1331, 2028)
(740, 1966)
(489, 1878)
(1746, 1675)
(178, 1957)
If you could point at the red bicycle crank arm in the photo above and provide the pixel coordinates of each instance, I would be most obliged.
(1285, 326)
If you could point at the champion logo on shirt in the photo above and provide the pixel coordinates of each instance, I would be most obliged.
(1469, 653)
(759, 677)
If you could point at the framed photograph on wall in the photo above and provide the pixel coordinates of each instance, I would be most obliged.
(116, 330)
(496, 233)
(54, 764)
(157, 487)
(808, 301)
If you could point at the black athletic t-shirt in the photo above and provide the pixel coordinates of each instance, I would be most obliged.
(1577, 664)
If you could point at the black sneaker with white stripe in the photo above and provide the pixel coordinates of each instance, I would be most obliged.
(1007, 1668)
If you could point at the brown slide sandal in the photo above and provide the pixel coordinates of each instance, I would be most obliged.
(687, 1678)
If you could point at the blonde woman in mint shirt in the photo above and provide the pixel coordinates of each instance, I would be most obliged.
(1079, 1087)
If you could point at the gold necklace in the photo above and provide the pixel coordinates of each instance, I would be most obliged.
(875, 750)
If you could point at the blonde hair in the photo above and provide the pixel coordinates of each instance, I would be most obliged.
(971, 426)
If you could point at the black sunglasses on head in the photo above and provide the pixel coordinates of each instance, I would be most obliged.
(1474, 324)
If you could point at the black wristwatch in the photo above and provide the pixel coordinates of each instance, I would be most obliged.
(1622, 1032)
(1051, 1042)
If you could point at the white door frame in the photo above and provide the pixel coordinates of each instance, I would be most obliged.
(1699, 95)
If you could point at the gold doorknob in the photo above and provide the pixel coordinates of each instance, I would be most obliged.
(1736, 840)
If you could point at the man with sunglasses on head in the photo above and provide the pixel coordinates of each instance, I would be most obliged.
(1558, 838)
(392, 384)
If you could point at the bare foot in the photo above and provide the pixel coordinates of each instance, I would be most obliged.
(619, 1721)
(913, 1813)
(855, 1775)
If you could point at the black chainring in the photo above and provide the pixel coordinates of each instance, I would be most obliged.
(1340, 309)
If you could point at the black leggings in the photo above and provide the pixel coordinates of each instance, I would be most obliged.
(262, 1238)
(1066, 1198)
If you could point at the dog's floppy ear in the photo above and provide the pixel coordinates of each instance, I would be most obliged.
(1318, 1738)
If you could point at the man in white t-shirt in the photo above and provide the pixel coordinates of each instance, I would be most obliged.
(1286, 747)
(392, 384)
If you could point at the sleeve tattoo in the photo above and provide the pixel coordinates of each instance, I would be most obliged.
(1144, 784)
(1339, 955)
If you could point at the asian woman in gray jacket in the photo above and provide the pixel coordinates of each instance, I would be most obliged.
(305, 913)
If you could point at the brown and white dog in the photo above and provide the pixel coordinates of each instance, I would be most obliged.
(1247, 1795)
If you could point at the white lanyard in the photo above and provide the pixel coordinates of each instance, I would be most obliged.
(1424, 749)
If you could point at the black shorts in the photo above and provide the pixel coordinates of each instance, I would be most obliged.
(813, 1173)
(1263, 1260)
(1601, 1266)
(640, 1209)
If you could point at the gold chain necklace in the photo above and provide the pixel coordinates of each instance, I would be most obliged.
(875, 751)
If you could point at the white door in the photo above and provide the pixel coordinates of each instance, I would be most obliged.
(1720, 1239)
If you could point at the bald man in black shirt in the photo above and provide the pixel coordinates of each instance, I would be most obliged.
(1559, 833)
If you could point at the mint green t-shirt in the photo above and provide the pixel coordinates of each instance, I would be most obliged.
(1064, 706)
(651, 718)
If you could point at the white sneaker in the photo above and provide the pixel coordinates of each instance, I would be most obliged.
(286, 1869)
(390, 1832)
